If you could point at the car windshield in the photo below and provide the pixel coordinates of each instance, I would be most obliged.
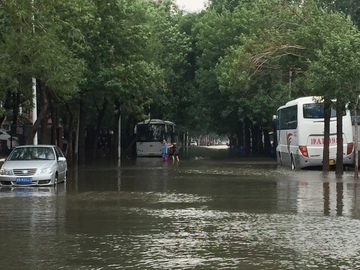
(32, 153)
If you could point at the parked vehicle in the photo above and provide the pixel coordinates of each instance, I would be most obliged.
(33, 165)
(150, 135)
(4, 150)
(12, 141)
(193, 143)
(300, 134)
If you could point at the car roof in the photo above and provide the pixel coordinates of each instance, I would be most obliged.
(38, 145)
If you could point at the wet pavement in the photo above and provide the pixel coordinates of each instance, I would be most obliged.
(208, 211)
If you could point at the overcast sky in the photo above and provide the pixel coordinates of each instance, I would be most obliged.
(191, 5)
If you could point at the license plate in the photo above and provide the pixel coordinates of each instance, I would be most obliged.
(331, 162)
(23, 180)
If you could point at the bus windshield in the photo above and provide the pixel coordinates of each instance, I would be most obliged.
(150, 132)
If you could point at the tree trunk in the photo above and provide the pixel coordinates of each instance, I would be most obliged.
(339, 135)
(81, 135)
(247, 136)
(115, 142)
(327, 114)
(43, 111)
(69, 147)
(54, 124)
(239, 131)
(356, 139)
(257, 140)
(267, 143)
(15, 115)
(101, 115)
(70, 132)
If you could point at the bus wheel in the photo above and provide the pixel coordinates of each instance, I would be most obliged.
(293, 167)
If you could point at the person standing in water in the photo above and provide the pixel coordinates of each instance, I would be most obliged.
(164, 151)
(175, 148)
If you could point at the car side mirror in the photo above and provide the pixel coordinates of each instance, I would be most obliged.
(61, 159)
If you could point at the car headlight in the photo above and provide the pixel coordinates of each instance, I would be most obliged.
(45, 171)
(6, 172)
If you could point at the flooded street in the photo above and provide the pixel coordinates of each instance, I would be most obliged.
(208, 211)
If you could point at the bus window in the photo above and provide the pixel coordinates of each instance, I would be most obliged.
(316, 110)
(148, 132)
(313, 110)
(288, 118)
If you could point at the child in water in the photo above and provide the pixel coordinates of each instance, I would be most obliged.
(164, 151)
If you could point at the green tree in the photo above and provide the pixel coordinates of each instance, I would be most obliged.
(349, 7)
(115, 40)
(215, 33)
(336, 70)
(31, 48)
(254, 70)
(283, 37)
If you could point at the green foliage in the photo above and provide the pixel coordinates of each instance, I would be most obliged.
(281, 38)
(205, 71)
(32, 47)
(334, 70)
(254, 69)
(349, 7)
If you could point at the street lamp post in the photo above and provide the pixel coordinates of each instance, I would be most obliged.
(290, 80)
(34, 115)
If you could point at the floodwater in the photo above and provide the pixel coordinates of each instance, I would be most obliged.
(208, 211)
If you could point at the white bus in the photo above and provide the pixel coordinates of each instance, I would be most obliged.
(300, 134)
(150, 134)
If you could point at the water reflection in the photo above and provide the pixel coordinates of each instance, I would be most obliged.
(33, 191)
(30, 220)
(313, 193)
(232, 185)
(200, 213)
(151, 174)
(141, 174)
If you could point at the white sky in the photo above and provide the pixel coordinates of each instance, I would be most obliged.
(191, 5)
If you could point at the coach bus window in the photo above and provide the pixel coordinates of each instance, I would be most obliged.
(288, 118)
(316, 110)
(148, 132)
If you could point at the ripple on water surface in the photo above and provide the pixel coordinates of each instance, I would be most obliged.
(200, 238)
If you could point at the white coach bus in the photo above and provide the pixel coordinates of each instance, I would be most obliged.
(150, 134)
(300, 134)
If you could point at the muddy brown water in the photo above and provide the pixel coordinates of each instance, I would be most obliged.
(208, 211)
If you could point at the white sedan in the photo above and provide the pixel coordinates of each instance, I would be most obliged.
(33, 165)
